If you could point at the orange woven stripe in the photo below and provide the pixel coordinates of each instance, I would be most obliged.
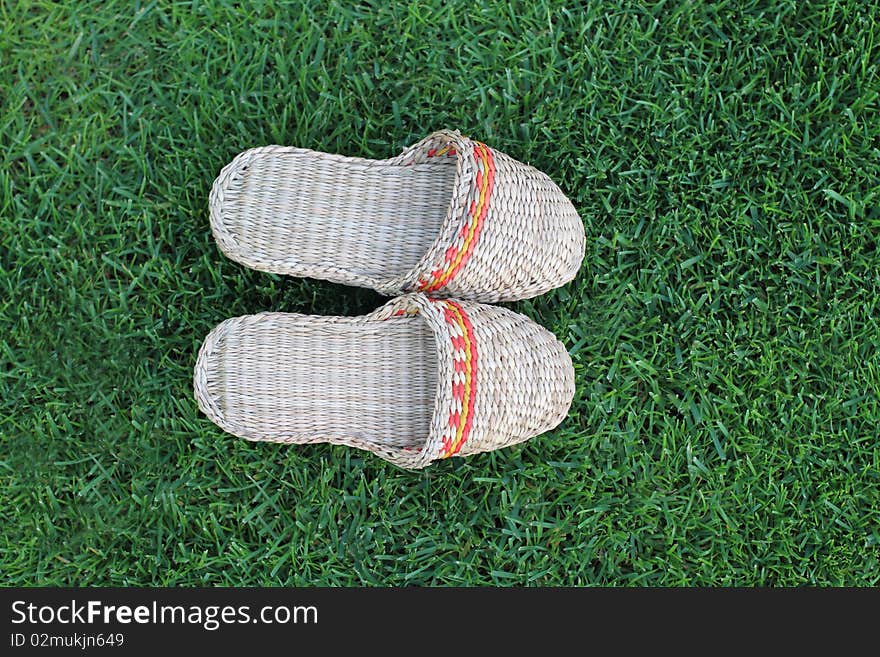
(466, 392)
(456, 257)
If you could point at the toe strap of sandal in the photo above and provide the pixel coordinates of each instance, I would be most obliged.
(465, 215)
(509, 231)
(501, 379)
(457, 372)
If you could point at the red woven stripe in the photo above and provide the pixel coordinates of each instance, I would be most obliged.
(465, 392)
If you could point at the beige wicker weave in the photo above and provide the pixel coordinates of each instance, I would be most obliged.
(450, 217)
(417, 380)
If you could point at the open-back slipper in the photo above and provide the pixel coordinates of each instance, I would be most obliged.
(417, 380)
(449, 216)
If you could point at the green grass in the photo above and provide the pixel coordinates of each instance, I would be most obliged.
(725, 159)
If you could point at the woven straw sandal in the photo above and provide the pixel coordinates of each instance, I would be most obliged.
(417, 380)
(450, 217)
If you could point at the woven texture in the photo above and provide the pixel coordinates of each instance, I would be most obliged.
(417, 380)
(449, 216)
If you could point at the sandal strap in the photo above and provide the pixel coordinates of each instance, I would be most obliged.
(509, 231)
(502, 378)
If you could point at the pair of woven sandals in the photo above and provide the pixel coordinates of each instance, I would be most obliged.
(444, 226)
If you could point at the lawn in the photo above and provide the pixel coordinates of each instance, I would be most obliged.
(725, 325)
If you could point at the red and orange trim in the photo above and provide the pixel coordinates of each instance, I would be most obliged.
(446, 150)
(458, 254)
(464, 378)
